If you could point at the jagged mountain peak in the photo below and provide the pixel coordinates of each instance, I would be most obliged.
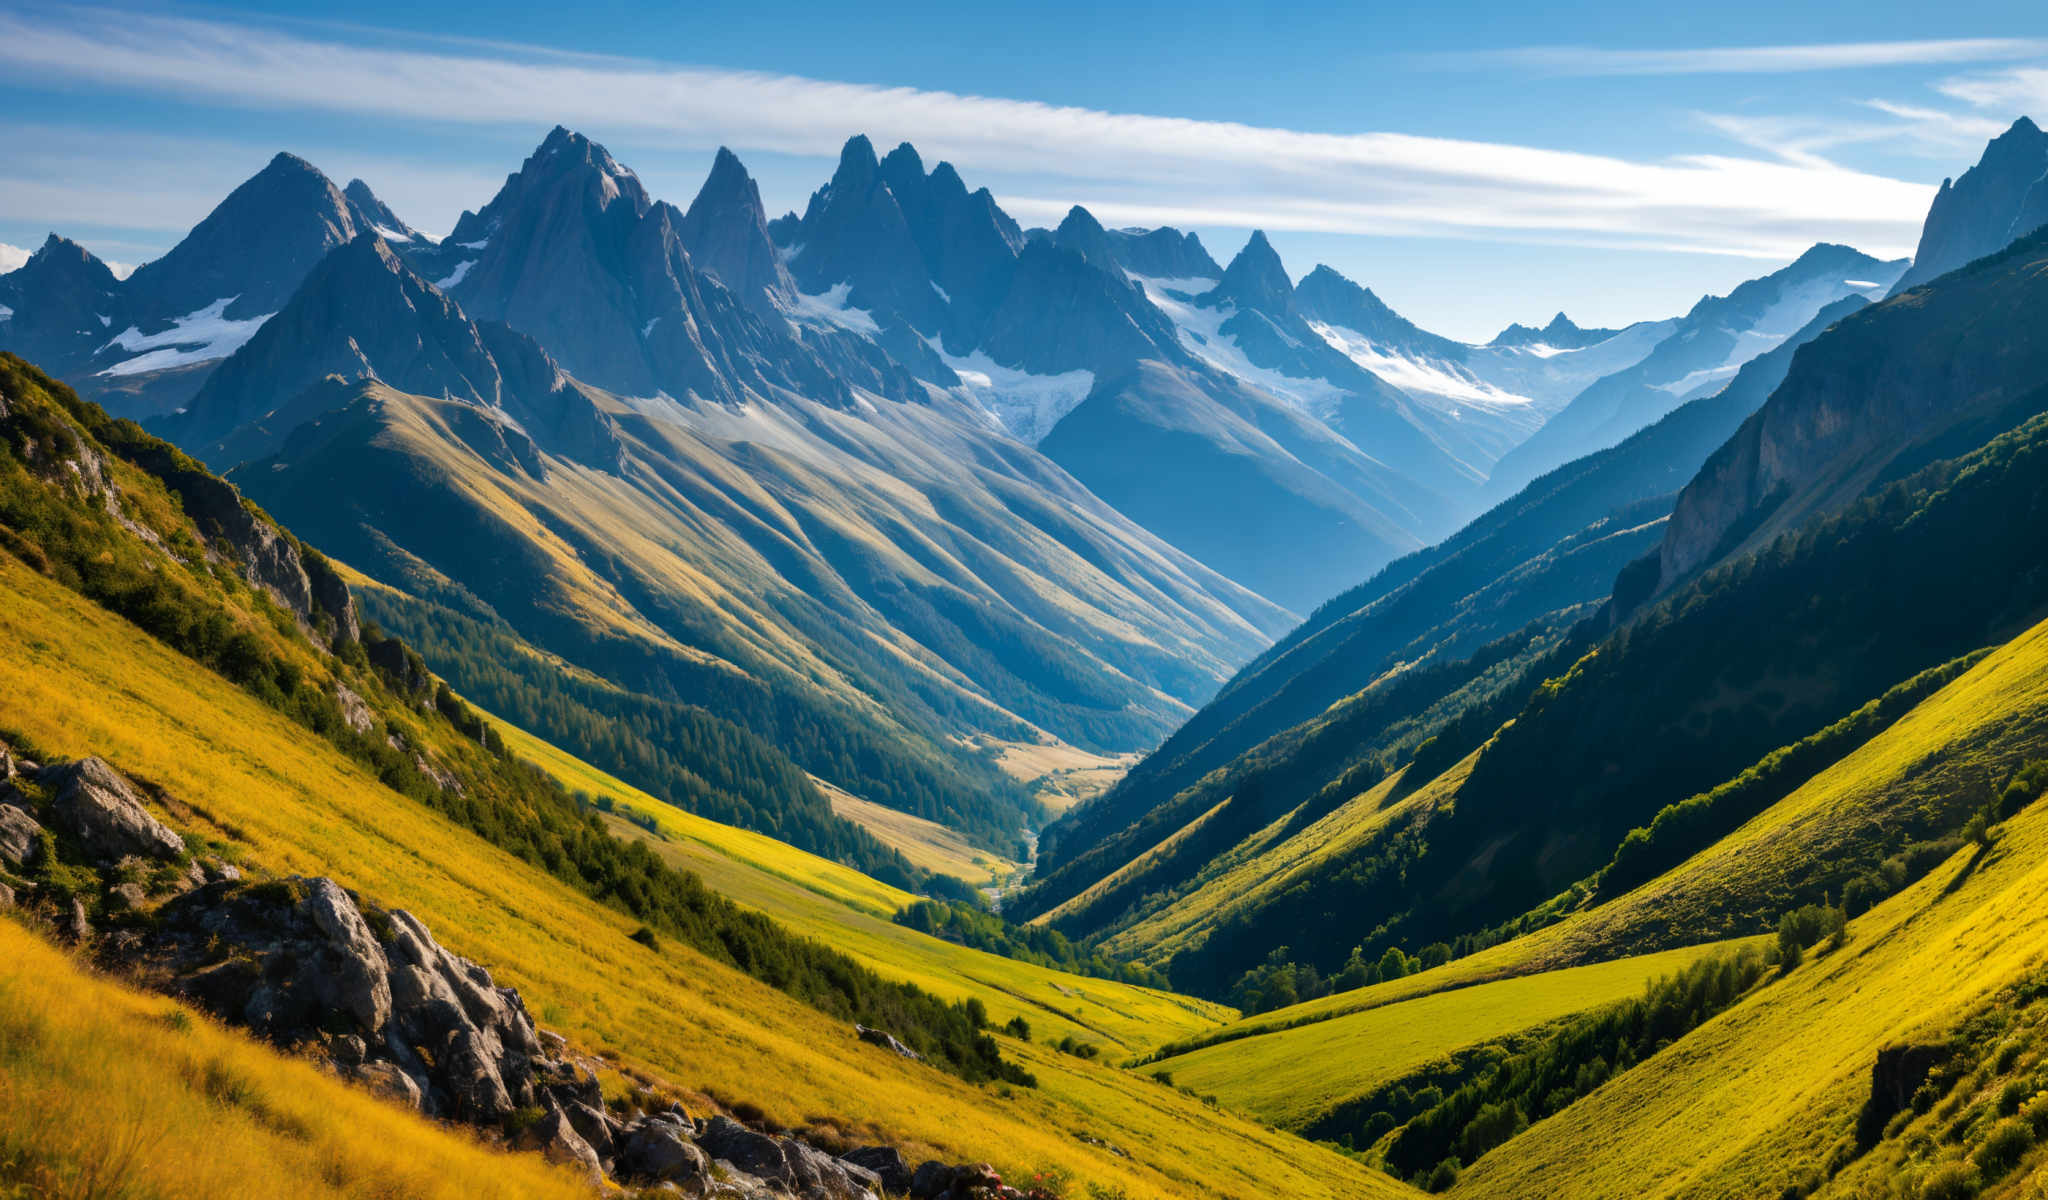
(372, 211)
(904, 158)
(252, 249)
(857, 162)
(1084, 235)
(1562, 333)
(946, 181)
(1256, 278)
(1986, 207)
(361, 313)
(61, 254)
(725, 232)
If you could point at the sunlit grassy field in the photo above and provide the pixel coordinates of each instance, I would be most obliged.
(110, 1092)
(848, 910)
(925, 843)
(1772, 1083)
(1290, 1076)
(77, 680)
(1268, 864)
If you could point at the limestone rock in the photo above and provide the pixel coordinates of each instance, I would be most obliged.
(20, 837)
(885, 1163)
(99, 807)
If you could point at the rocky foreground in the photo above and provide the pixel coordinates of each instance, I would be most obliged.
(311, 967)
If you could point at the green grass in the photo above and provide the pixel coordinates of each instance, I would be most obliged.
(1243, 879)
(843, 908)
(78, 680)
(1770, 1088)
(1291, 1076)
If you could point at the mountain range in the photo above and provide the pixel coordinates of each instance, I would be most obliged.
(885, 681)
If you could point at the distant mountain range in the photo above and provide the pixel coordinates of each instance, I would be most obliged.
(1455, 750)
(894, 471)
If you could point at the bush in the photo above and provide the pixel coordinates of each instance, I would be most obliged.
(1494, 1124)
(2003, 1147)
(1949, 1181)
(1443, 1177)
(2035, 1113)
(1804, 926)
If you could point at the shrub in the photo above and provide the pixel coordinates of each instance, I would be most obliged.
(1443, 1177)
(1494, 1124)
(2003, 1147)
(1804, 926)
(2035, 1113)
(1949, 1181)
(2012, 1095)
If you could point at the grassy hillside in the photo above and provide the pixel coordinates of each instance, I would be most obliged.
(79, 680)
(107, 1091)
(1769, 1093)
(843, 908)
(1291, 1076)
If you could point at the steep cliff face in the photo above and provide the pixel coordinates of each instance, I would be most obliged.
(1984, 208)
(1860, 396)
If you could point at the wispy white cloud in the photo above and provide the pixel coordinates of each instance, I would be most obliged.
(1810, 140)
(2016, 89)
(1753, 60)
(11, 257)
(1364, 183)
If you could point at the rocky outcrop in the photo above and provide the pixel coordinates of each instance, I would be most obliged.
(301, 581)
(884, 1039)
(1894, 1078)
(369, 992)
(97, 805)
(20, 836)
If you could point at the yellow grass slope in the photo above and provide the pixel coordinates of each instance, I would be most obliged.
(1266, 867)
(1768, 1086)
(1980, 726)
(77, 680)
(1291, 1076)
(106, 1091)
(845, 909)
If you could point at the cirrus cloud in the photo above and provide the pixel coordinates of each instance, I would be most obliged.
(1139, 164)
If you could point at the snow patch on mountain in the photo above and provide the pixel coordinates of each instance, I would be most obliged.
(460, 273)
(1785, 316)
(1201, 333)
(1425, 379)
(6, 313)
(391, 235)
(829, 307)
(1550, 375)
(196, 337)
(1021, 404)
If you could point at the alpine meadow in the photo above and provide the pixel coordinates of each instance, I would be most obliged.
(1104, 603)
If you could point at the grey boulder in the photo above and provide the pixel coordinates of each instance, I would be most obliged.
(100, 808)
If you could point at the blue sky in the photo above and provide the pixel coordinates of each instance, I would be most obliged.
(1473, 164)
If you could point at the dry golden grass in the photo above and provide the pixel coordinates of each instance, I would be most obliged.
(110, 1092)
(77, 680)
(840, 906)
(1060, 775)
(926, 844)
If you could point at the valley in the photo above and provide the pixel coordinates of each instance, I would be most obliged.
(983, 687)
